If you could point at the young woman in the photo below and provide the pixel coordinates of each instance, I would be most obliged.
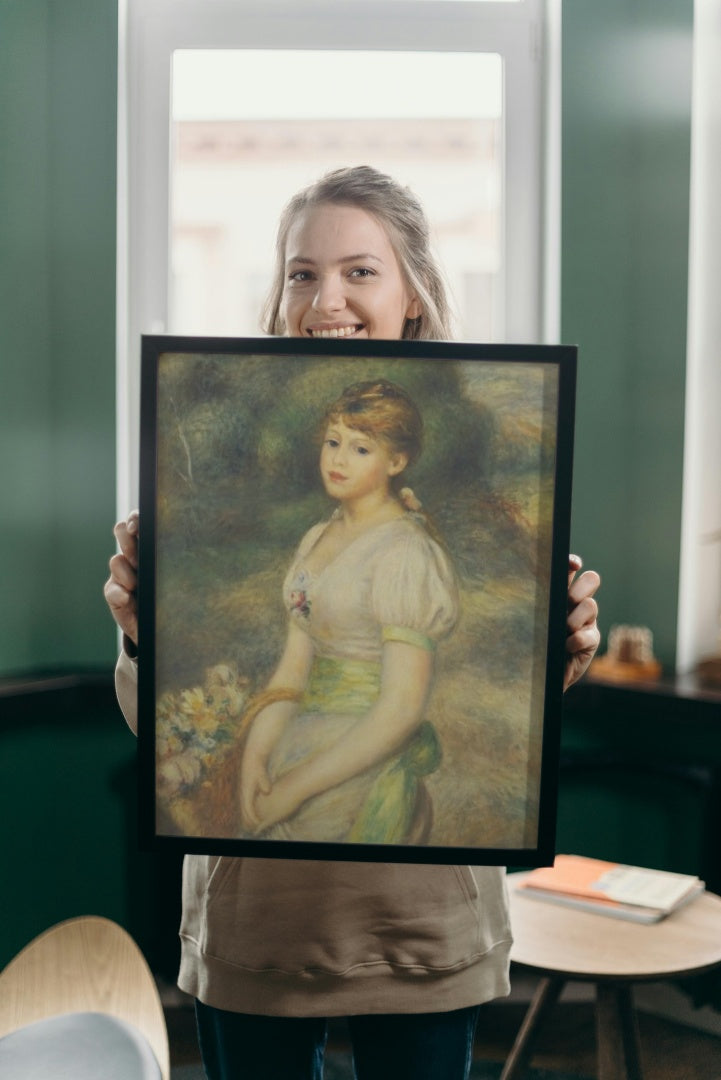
(271, 948)
(339, 749)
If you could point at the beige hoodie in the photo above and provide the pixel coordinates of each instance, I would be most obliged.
(284, 937)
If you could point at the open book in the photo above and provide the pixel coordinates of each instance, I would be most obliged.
(608, 888)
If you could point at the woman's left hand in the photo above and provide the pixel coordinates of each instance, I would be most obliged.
(583, 635)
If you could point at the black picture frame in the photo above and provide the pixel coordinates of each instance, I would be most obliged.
(229, 483)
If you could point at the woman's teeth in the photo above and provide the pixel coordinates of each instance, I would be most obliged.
(337, 331)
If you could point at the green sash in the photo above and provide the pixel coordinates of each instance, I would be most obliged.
(352, 686)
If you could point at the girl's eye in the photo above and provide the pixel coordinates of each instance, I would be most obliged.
(332, 443)
(363, 450)
(300, 276)
(362, 272)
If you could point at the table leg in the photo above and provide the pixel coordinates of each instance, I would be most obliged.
(617, 1033)
(545, 997)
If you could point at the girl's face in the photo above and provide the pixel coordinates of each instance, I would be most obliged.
(355, 466)
(342, 277)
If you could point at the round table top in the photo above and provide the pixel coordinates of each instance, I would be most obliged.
(559, 940)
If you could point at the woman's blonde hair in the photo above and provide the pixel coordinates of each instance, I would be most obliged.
(401, 214)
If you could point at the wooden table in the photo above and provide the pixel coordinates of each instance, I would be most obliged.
(563, 944)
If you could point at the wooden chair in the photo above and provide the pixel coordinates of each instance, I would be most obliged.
(82, 985)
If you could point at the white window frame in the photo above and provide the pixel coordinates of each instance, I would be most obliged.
(526, 34)
(699, 597)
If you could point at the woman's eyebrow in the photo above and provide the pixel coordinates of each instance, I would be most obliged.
(363, 256)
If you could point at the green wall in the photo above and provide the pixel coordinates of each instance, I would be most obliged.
(626, 146)
(69, 808)
(58, 72)
(67, 761)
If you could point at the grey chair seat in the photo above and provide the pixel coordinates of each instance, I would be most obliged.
(78, 1046)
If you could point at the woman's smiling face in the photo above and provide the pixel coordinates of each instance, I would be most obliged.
(342, 277)
(356, 466)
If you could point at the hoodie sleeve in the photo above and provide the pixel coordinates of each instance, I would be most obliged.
(126, 688)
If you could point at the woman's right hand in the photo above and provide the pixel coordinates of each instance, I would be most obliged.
(122, 585)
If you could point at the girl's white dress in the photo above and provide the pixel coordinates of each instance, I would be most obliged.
(392, 583)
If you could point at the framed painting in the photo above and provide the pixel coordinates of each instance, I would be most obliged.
(352, 597)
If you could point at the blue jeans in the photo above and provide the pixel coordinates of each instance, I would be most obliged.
(414, 1046)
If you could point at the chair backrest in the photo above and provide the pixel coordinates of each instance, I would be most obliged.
(87, 964)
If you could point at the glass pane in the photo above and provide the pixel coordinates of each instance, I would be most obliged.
(238, 155)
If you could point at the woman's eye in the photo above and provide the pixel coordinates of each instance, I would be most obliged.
(300, 276)
(362, 272)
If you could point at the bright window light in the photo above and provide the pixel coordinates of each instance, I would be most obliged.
(220, 84)
(238, 155)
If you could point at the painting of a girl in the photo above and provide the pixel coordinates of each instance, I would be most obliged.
(337, 746)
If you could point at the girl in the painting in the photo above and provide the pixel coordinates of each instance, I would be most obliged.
(338, 747)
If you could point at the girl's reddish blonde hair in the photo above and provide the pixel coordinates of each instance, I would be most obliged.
(383, 410)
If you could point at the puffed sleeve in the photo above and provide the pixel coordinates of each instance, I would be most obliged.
(415, 594)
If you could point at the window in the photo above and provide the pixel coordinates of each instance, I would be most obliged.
(235, 162)
(229, 106)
